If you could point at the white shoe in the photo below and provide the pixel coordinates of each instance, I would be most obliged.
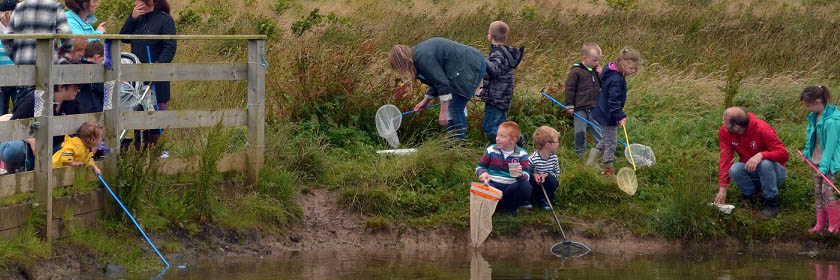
(165, 154)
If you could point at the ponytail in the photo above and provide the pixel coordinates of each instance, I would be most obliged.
(813, 93)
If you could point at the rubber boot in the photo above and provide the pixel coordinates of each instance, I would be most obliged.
(594, 155)
(770, 208)
(833, 211)
(822, 220)
(750, 201)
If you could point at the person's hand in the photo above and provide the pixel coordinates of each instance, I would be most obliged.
(76, 163)
(96, 169)
(140, 9)
(101, 27)
(571, 112)
(540, 177)
(752, 164)
(421, 105)
(720, 198)
(623, 121)
(484, 177)
(443, 117)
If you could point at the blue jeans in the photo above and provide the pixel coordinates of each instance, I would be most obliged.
(15, 155)
(768, 176)
(493, 117)
(513, 195)
(457, 126)
(537, 196)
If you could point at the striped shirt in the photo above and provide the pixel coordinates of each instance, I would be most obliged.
(545, 166)
(496, 164)
(35, 16)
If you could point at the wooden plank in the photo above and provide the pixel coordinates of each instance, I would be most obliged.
(13, 216)
(17, 75)
(136, 37)
(113, 128)
(182, 119)
(69, 124)
(24, 182)
(78, 74)
(81, 203)
(44, 144)
(228, 163)
(16, 130)
(256, 109)
(185, 72)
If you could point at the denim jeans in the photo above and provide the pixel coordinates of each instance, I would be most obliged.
(457, 126)
(513, 195)
(580, 131)
(767, 176)
(493, 117)
(15, 155)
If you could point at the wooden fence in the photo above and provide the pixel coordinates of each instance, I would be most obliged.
(44, 74)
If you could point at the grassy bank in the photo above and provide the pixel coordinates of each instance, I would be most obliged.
(327, 75)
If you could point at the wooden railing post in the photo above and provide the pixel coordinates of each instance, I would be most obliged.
(43, 135)
(112, 127)
(256, 109)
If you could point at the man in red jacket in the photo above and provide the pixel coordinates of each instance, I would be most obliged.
(762, 159)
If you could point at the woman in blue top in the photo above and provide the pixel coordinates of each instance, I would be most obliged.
(80, 17)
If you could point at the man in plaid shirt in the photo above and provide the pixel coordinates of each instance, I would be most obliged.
(35, 16)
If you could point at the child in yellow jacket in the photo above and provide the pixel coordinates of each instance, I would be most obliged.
(76, 151)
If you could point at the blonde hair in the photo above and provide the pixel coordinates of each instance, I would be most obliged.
(499, 31)
(589, 48)
(627, 55)
(544, 135)
(79, 44)
(511, 128)
(89, 132)
(401, 60)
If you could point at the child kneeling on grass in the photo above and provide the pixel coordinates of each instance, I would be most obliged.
(506, 167)
(76, 151)
(545, 166)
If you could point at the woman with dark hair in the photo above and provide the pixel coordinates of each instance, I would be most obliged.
(151, 17)
(80, 17)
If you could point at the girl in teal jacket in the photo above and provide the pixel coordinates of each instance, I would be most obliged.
(821, 148)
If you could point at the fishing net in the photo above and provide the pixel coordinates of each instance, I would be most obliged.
(570, 249)
(388, 119)
(642, 155)
(626, 179)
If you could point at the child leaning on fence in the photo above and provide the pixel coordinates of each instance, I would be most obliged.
(506, 166)
(78, 150)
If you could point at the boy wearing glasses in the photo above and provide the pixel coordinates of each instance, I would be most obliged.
(544, 166)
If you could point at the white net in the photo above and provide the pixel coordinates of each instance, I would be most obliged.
(388, 119)
(642, 155)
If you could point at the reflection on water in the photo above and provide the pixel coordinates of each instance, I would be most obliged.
(527, 264)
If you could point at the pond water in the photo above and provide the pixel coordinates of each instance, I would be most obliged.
(510, 265)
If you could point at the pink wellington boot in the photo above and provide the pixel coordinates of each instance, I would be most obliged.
(833, 212)
(822, 220)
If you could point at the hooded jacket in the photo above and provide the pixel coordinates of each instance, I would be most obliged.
(448, 67)
(610, 106)
(582, 87)
(828, 131)
(759, 137)
(498, 81)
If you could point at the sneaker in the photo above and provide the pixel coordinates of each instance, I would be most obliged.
(608, 171)
(165, 154)
(545, 207)
(527, 206)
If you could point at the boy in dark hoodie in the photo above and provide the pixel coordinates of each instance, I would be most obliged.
(497, 90)
(582, 88)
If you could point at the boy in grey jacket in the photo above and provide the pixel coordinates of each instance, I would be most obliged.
(497, 90)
